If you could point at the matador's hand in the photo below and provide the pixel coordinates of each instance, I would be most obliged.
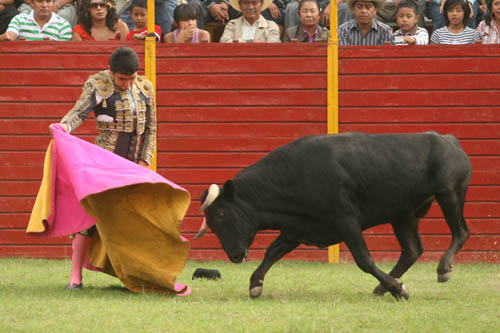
(64, 126)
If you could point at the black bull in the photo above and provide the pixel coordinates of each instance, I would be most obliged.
(325, 189)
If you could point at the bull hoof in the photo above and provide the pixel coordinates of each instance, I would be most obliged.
(405, 293)
(379, 290)
(444, 277)
(255, 292)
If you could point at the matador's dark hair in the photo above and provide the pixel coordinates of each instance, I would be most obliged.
(124, 60)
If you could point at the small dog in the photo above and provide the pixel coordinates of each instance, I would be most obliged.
(202, 273)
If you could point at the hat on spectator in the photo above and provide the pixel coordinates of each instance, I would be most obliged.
(265, 3)
(379, 4)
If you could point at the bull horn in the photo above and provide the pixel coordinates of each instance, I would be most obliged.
(213, 193)
(203, 229)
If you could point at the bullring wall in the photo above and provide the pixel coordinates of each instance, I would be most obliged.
(222, 107)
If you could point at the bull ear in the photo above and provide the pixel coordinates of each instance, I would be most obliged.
(228, 189)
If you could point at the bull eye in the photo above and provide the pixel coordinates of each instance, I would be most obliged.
(220, 215)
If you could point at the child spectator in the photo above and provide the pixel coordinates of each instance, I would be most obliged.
(185, 17)
(409, 32)
(139, 13)
(456, 14)
(488, 29)
(387, 14)
(164, 14)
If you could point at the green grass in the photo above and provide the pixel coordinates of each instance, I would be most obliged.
(297, 297)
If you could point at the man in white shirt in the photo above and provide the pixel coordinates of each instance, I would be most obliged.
(40, 24)
(64, 8)
(251, 27)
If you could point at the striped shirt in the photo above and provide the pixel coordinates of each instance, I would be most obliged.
(444, 36)
(24, 25)
(421, 37)
(489, 33)
(438, 2)
(379, 34)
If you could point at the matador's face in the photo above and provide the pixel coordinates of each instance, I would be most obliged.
(123, 81)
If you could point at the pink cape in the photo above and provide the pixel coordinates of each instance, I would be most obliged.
(136, 212)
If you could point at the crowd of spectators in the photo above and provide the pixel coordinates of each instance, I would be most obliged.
(360, 22)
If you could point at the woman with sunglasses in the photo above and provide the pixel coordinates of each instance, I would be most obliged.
(99, 21)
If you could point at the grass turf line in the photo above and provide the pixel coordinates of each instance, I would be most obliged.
(297, 297)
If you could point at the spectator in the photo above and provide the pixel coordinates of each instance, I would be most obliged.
(64, 8)
(409, 32)
(364, 29)
(309, 29)
(435, 12)
(482, 10)
(99, 21)
(343, 12)
(276, 12)
(488, 29)
(456, 31)
(185, 17)
(222, 11)
(474, 7)
(388, 13)
(164, 14)
(139, 13)
(7, 12)
(41, 23)
(213, 11)
(251, 26)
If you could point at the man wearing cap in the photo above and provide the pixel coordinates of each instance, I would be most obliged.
(251, 26)
(364, 29)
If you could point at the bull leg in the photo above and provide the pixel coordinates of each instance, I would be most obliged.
(452, 205)
(278, 248)
(356, 244)
(411, 249)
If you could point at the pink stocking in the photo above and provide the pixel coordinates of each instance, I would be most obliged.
(80, 247)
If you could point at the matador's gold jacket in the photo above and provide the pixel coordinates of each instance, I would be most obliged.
(104, 98)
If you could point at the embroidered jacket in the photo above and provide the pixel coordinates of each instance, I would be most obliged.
(114, 111)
